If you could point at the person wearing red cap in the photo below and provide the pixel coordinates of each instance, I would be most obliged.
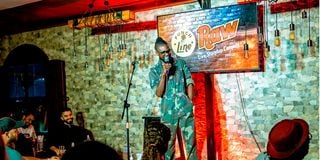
(288, 140)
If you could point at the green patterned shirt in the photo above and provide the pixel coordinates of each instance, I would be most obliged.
(175, 103)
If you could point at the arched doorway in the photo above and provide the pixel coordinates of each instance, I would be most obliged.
(23, 79)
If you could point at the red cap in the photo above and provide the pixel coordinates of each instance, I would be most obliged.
(286, 137)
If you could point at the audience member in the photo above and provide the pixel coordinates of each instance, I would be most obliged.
(41, 116)
(156, 139)
(91, 150)
(27, 135)
(8, 127)
(66, 135)
(288, 140)
(3, 155)
(81, 123)
(10, 135)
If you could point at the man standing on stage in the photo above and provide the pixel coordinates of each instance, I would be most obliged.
(171, 80)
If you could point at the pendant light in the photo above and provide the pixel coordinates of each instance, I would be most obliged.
(309, 42)
(292, 33)
(260, 35)
(304, 14)
(277, 33)
(100, 60)
(74, 53)
(266, 45)
(246, 46)
(86, 52)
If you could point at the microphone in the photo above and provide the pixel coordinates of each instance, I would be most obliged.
(166, 59)
(134, 62)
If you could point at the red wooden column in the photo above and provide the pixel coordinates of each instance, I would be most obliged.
(204, 116)
(210, 117)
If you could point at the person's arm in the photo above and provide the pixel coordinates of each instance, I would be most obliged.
(157, 77)
(55, 150)
(190, 91)
(189, 81)
(162, 83)
(35, 158)
(163, 78)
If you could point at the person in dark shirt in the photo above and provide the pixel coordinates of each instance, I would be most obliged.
(91, 150)
(81, 123)
(66, 135)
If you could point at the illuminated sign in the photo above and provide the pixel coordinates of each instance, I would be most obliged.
(213, 40)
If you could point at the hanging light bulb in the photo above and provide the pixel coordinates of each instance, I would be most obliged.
(266, 45)
(74, 53)
(292, 33)
(246, 50)
(277, 33)
(107, 60)
(86, 52)
(309, 42)
(266, 49)
(260, 35)
(304, 14)
(277, 38)
(246, 46)
(86, 65)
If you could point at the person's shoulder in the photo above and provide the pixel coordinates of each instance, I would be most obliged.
(76, 127)
(12, 153)
(156, 69)
(157, 65)
(262, 156)
(180, 61)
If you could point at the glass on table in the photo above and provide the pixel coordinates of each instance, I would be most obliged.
(61, 149)
(39, 147)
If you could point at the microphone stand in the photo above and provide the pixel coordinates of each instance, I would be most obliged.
(126, 106)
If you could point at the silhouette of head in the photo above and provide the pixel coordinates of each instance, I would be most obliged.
(92, 150)
(289, 140)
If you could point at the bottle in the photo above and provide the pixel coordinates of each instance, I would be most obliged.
(39, 143)
(166, 59)
(72, 144)
(88, 138)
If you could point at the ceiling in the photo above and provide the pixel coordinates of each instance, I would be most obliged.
(25, 15)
